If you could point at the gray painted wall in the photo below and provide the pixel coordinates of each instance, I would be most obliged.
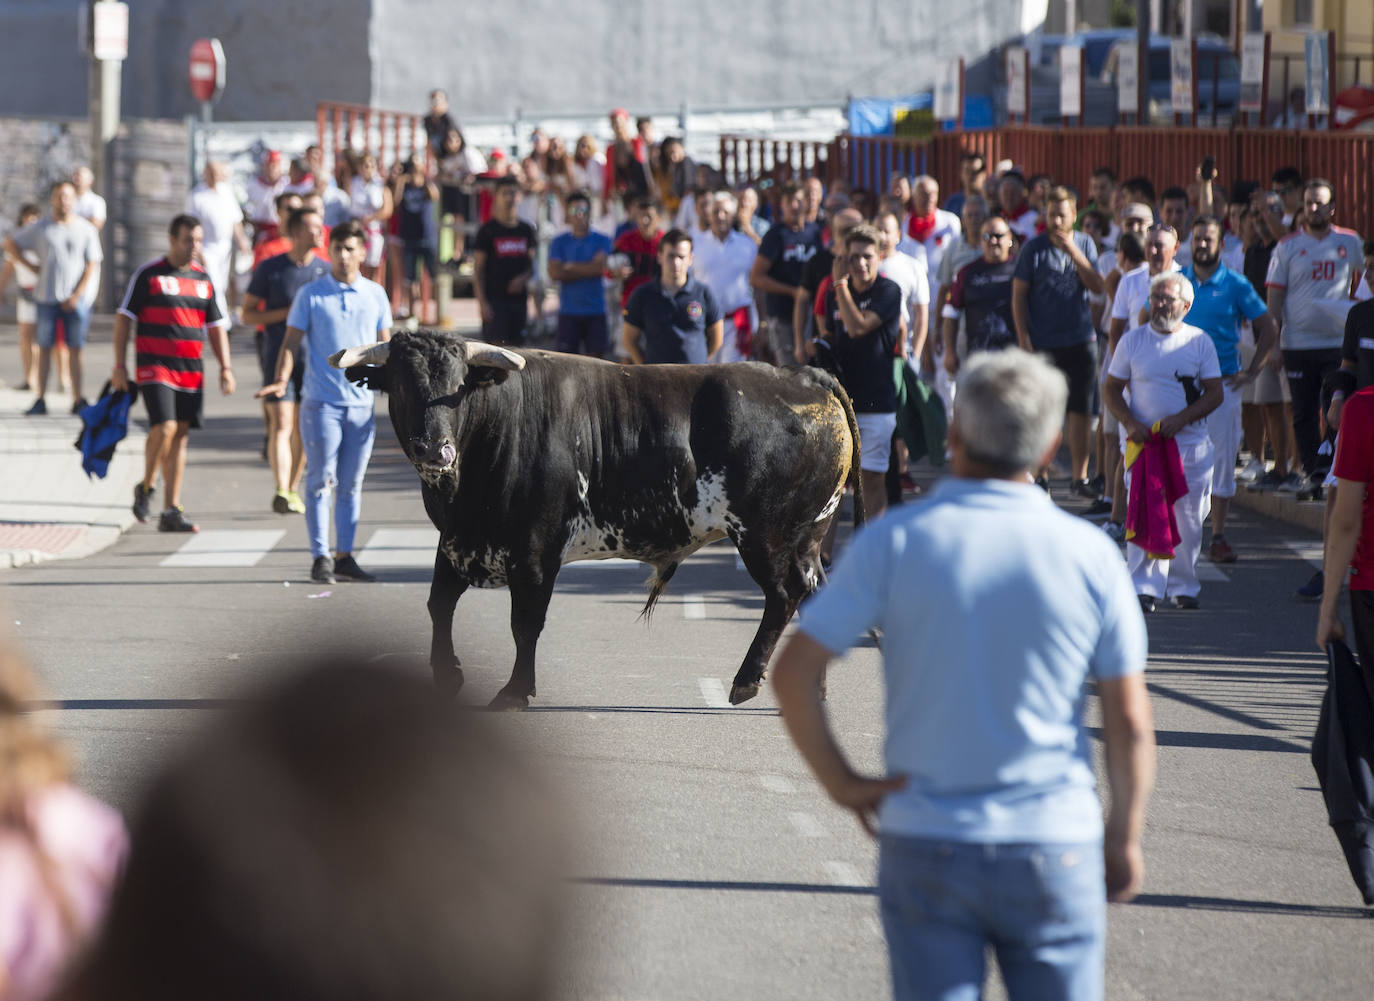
(548, 55)
(591, 54)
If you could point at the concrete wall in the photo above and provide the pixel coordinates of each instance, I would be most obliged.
(283, 57)
(590, 54)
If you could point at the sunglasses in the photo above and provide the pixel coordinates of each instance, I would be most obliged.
(995, 237)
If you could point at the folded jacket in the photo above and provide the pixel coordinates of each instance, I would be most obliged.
(1157, 480)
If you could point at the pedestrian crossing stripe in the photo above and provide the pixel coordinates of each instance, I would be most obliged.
(224, 547)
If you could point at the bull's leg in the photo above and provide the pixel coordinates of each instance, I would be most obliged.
(529, 604)
(783, 586)
(445, 588)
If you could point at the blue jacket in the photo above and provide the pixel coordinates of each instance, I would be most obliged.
(104, 424)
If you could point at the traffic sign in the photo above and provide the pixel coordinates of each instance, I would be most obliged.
(206, 69)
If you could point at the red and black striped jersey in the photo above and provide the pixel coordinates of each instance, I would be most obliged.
(171, 307)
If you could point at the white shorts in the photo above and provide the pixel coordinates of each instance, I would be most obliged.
(875, 439)
(25, 311)
(1223, 429)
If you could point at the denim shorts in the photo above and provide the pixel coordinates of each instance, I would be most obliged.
(1041, 907)
(75, 323)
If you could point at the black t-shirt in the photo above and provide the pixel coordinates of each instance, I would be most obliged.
(866, 362)
(1359, 341)
(277, 280)
(788, 250)
(983, 292)
(416, 215)
(816, 269)
(508, 250)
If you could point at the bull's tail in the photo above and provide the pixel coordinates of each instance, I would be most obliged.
(855, 480)
(657, 583)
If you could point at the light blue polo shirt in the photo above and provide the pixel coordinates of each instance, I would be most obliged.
(996, 607)
(1218, 305)
(335, 316)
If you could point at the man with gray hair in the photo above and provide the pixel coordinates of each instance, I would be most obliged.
(1174, 376)
(990, 830)
(722, 260)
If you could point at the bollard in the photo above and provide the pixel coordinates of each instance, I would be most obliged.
(443, 298)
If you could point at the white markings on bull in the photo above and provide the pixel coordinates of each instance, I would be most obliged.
(713, 693)
(831, 506)
(582, 487)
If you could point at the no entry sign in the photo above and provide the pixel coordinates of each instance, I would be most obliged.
(206, 69)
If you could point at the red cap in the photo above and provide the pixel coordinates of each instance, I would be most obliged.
(619, 113)
(497, 154)
(274, 156)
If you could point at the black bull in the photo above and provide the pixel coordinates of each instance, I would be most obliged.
(529, 460)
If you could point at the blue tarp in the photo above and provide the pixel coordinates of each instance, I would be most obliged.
(876, 116)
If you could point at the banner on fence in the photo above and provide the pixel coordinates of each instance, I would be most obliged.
(1318, 50)
(1070, 81)
(1018, 69)
(1127, 79)
(947, 88)
(1251, 73)
(1181, 76)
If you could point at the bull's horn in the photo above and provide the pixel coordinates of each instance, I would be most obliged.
(363, 354)
(482, 353)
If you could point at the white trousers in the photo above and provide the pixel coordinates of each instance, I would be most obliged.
(1170, 578)
(1224, 430)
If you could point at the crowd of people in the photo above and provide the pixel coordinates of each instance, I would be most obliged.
(1182, 337)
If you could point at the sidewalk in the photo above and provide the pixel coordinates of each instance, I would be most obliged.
(49, 508)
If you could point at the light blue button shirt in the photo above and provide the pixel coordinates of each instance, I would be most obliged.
(335, 316)
(996, 608)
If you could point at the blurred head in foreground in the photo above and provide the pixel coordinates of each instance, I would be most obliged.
(342, 837)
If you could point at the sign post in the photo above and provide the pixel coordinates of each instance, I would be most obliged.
(205, 72)
(949, 93)
(1127, 81)
(1254, 74)
(1018, 82)
(1070, 83)
(1182, 94)
(1320, 47)
(105, 28)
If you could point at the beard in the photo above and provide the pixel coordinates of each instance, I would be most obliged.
(1205, 259)
(1165, 324)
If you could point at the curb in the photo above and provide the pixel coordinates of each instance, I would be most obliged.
(1282, 507)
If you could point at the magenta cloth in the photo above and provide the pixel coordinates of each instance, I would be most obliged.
(1157, 480)
(86, 842)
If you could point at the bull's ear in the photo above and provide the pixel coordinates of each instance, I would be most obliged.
(368, 377)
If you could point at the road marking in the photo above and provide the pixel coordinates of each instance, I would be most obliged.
(400, 547)
(693, 606)
(807, 826)
(614, 561)
(224, 547)
(713, 692)
(1308, 552)
(1209, 572)
(778, 784)
(843, 873)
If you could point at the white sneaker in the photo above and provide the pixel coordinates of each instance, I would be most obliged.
(1253, 470)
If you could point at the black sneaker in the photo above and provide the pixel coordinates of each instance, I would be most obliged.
(1312, 590)
(322, 570)
(1099, 484)
(1147, 603)
(1267, 483)
(1098, 508)
(281, 503)
(39, 408)
(1084, 488)
(79, 405)
(347, 568)
(174, 520)
(142, 497)
(1186, 601)
(1043, 482)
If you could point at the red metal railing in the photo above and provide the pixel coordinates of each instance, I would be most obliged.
(391, 137)
(1168, 156)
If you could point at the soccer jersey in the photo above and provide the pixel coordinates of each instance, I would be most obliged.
(172, 307)
(982, 291)
(1318, 275)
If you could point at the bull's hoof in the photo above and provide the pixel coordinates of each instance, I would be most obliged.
(449, 681)
(509, 701)
(743, 693)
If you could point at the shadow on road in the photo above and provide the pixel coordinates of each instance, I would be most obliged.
(1250, 906)
(711, 884)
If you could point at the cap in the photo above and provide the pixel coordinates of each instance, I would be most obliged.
(619, 113)
(497, 154)
(1138, 210)
(274, 156)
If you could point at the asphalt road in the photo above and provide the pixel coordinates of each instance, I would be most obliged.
(709, 863)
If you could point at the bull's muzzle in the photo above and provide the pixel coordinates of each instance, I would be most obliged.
(436, 456)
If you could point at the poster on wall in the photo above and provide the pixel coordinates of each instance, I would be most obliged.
(947, 91)
(1127, 79)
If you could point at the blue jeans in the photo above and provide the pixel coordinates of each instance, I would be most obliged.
(338, 443)
(1042, 908)
(75, 323)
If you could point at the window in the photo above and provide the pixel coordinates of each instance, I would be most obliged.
(1302, 14)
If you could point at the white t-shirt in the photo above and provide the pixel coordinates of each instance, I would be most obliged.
(218, 211)
(723, 266)
(946, 234)
(262, 198)
(910, 276)
(1025, 224)
(1164, 373)
(1133, 293)
(1318, 275)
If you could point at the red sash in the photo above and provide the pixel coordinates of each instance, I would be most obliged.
(744, 331)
